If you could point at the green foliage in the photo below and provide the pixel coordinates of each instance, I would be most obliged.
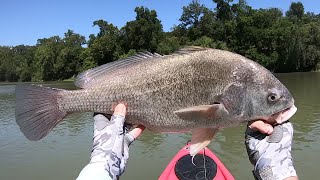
(280, 43)
(15, 63)
(24, 59)
(296, 10)
(87, 59)
(168, 45)
(69, 59)
(144, 33)
(45, 58)
(105, 46)
(190, 20)
(223, 9)
(192, 13)
(205, 41)
(7, 65)
(130, 53)
(56, 58)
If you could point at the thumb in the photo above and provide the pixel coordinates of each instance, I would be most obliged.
(134, 134)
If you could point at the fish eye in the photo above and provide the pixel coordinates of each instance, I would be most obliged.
(273, 97)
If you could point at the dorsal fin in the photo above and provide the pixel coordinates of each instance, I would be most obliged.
(91, 76)
(188, 50)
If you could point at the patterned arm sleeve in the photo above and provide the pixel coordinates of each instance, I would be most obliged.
(271, 155)
(110, 150)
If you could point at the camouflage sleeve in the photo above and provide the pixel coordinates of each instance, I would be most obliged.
(110, 150)
(271, 155)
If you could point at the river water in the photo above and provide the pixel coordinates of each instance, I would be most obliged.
(66, 150)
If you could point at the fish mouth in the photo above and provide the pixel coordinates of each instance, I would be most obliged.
(284, 115)
(280, 116)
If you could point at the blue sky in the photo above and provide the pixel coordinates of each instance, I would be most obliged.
(23, 22)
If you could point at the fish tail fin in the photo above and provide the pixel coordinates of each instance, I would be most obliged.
(37, 110)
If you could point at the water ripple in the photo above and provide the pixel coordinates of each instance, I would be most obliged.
(66, 150)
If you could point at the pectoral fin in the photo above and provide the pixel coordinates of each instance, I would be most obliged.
(198, 112)
(201, 138)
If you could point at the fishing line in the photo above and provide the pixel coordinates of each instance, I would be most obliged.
(204, 163)
(192, 160)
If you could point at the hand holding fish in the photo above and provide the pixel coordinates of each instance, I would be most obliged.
(269, 150)
(111, 143)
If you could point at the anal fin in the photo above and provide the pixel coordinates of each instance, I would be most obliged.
(201, 138)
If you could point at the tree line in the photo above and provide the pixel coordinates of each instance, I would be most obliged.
(281, 42)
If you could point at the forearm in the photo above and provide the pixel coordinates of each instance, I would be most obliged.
(110, 150)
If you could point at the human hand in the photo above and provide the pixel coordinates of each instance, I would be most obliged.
(111, 141)
(269, 150)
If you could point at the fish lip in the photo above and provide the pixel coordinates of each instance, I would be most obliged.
(271, 117)
(284, 115)
(285, 109)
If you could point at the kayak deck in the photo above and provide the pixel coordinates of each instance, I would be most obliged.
(205, 165)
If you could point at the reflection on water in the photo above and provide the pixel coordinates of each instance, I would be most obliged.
(66, 150)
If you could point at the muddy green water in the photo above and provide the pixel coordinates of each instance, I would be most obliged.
(66, 150)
